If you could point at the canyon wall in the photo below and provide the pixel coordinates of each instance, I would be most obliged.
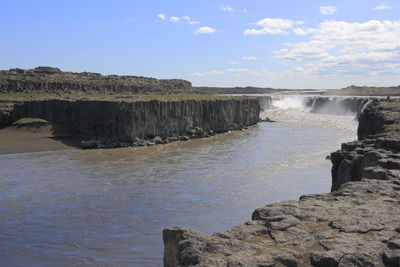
(376, 154)
(355, 225)
(53, 80)
(336, 105)
(121, 123)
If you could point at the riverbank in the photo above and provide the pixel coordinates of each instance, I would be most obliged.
(35, 135)
(110, 121)
(356, 225)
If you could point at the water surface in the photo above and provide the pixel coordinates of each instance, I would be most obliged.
(93, 207)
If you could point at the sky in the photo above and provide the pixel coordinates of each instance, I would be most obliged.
(266, 43)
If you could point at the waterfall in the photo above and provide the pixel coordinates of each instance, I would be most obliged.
(290, 102)
(316, 104)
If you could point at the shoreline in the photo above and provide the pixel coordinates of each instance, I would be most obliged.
(113, 123)
(24, 141)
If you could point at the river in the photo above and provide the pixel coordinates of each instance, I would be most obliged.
(109, 207)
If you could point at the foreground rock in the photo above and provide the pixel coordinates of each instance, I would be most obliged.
(356, 225)
(53, 80)
(351, 227)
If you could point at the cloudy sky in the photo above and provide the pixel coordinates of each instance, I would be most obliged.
(267, 43)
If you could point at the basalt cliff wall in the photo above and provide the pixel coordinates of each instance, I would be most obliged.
(376, 154)
(122, 123)
(357, 224)
(337, 105)
(53, 80)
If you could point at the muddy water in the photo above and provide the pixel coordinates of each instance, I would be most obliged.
(74, 207)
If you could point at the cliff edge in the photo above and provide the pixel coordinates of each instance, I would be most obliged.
(358, 224)
(105, 123)
(376, 153)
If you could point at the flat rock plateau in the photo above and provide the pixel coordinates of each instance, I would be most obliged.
(53, 80)
(357, 224)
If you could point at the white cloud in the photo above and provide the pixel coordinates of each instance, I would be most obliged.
(205, 30)
(383, 6)
(262, 72)
(232, 71)
(217, 72)
(272, 26)
(303, 31)
(161, 16)
(328, 10)
(174, 19)
(178, 19)
(189, 20)
(348, 48)
(227, 8)
(207, 73)
(238, 70)
(233, 63)
(250, 58)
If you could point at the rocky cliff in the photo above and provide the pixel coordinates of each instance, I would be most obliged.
(358, 224)
(336, 105)
(53, 80)
(124, 123)
(376, 154)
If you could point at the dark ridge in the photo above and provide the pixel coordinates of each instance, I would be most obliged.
(53, 80)
(236, 90)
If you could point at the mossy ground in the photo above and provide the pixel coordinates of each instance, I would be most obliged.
(8, 97)
(392, 105)
(380, 91)
(393, 127)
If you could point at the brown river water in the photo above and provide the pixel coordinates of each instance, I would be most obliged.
(109, 207)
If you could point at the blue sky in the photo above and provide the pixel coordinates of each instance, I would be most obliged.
(280, 44)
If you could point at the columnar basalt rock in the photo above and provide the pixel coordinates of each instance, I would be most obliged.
(336, 105)
(124, 123)
(376, 154)
(358, 224)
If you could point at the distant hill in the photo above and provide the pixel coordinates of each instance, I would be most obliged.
(235, 90)
(249, 90)
(53, 80)
(368, 90)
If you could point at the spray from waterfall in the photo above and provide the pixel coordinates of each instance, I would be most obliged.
(276, 107)
(290, 102)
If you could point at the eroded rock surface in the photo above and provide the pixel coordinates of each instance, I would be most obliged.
(355, 226)
(377, 153)
(358, 224)
(53, 80)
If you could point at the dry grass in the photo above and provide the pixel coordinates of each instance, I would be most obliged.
(392, 127)
(392, 105)
(380, 91)
(119, 97)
